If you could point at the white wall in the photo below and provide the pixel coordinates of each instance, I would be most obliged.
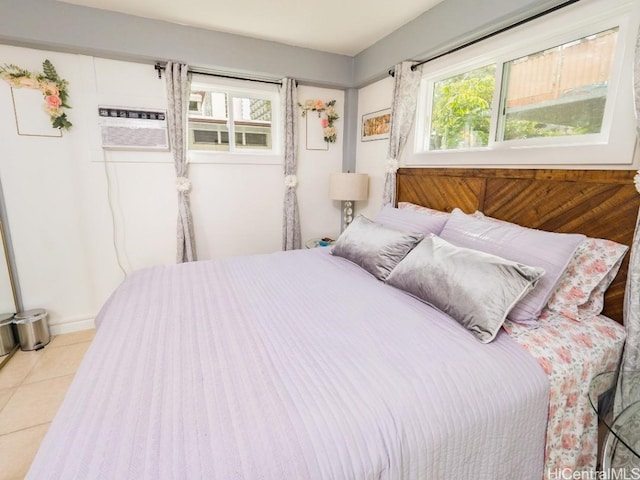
(66, 239)
(371, 155)
(6, 294)
(319, 216)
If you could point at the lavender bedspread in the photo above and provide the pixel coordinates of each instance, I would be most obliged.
(295, 365)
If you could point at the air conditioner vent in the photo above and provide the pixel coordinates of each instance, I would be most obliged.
(133, 129)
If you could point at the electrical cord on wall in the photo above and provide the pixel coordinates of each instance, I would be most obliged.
(114, 236)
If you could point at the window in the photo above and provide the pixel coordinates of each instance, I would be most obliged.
(560, 91)
(235, 121)
(461, 112)
(543, 86)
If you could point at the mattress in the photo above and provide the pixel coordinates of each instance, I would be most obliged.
(293, 365)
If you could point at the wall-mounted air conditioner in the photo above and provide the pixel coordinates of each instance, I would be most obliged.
(133, 129)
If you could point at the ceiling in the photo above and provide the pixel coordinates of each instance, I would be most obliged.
(338, 26)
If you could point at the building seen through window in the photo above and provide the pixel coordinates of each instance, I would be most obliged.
(216, 117)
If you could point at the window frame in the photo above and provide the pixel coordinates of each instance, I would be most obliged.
(240, 89)
(615, 140)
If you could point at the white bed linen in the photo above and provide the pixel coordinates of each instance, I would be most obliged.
(295, 365)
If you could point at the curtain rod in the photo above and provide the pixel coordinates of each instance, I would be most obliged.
(492, 34)
(159, 67)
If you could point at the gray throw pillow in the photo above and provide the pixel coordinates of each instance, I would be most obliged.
(373, 247)
(547, 250)
(476, 289)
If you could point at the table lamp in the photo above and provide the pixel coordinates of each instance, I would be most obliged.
(348, 187)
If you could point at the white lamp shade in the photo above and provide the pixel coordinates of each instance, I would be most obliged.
(349, 186)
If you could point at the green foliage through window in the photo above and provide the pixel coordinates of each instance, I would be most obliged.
(560, 91)
(461, 114)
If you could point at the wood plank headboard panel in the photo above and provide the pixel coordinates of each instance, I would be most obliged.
(596, 203)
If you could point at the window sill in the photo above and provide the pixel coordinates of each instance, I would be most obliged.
(615, 153)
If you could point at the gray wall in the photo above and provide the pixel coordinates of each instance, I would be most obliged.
(350, 135)
(53, 25)
(448, 24)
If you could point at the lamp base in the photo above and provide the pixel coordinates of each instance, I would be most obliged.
(347, 213)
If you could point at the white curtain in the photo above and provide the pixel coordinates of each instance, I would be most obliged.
(291, 218)
(403, 109)
(178, 81)
(631, 359)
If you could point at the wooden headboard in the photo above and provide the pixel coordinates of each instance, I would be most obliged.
(596, 203)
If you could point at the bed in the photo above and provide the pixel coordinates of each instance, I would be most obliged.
(303, 365)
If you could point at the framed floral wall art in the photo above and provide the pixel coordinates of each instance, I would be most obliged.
(375, 125)
(35, 91)
(320, 131)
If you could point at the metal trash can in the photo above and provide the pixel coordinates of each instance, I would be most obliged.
(7, 339)
(32, 328)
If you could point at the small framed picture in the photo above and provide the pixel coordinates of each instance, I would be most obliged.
(375, 125)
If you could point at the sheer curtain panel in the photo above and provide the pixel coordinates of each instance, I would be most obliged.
(631, 359)
(403, 111)
(291, 218)
(178, 80)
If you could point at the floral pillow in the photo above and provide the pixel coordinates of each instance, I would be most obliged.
(579, 294)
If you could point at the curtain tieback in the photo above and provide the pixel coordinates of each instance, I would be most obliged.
(291, 181)
(183, 184)
(392, 165)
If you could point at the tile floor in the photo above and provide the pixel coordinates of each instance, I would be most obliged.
(32, 386)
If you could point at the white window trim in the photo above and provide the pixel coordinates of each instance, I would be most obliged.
(238, 88)
(614, 146)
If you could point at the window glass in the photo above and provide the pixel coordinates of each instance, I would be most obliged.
(461, 111)
(252, 123)
(208, 114)
(228, 121)
(559, 91)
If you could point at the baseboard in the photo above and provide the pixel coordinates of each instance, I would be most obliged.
(72, 326)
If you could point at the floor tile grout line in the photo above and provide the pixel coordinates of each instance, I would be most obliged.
(29, 371)
(15, 389)
(51, 347)
(41, 423)
(69, 344)
(25, 428)
(72, 374)
(23, 381)
(9, 436)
